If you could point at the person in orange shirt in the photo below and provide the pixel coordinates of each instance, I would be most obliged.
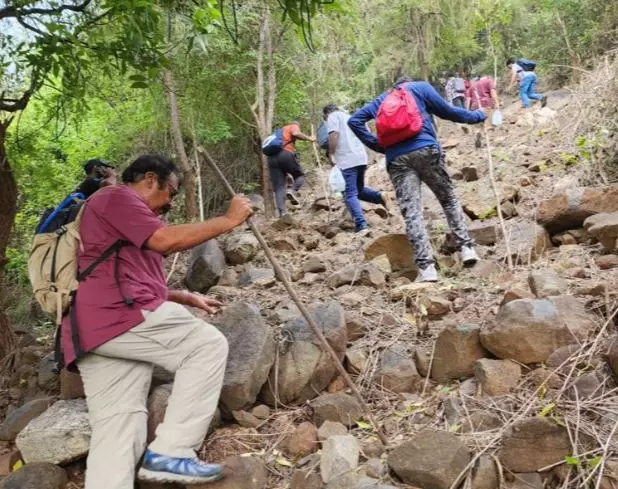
(286, 163)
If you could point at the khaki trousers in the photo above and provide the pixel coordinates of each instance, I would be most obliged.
(117, 378)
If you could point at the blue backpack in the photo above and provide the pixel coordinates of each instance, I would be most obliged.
(273, 144)
(526, 64)
(323, 136)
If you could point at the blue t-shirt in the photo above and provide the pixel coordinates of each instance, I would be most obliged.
(429, 102)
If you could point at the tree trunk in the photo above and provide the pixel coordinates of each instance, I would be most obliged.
(264, 106)
(185, 166)
(574, 58)
(8, 209)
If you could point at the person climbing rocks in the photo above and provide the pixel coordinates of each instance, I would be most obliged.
(456, 90)
(347, 152)
(416, 158)
(522, 72)
(285, 163)
(124, 320)
(482, 93)
(99, 174)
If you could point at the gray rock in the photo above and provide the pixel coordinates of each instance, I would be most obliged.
(339, 454)
(251, 354)
(304, 369)
(357, 274)
(376, 468)
(497, 377)
(241, 248)
(331, 428)
(305, 479)
(352, 480)
(398, 249)
(240, 473)
(19, 418)
(338, 407)
(457, 348)
(314, 264)
(257, 202)
(480, 421)
(253, 275)
(470, 173)
(531, 444)
(59, 435)
(432, 459)
(545, 283)
(603, 227)
(206, 266)
(48, 378)
(396, 370)
(36, 476)
(485, 474)
(527, 241)
(530, 480)
(569, 210)
(529, 330)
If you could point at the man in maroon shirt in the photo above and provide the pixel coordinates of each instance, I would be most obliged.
(119, 333)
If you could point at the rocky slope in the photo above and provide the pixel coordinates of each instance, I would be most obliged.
(495, 377)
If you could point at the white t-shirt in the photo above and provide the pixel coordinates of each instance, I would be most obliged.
(350, 152)
(519, 71)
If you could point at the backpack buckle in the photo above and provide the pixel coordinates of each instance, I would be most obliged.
(61, 230)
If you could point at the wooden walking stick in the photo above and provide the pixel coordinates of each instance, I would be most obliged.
(301, 307)
(494, 188)
(316, 153)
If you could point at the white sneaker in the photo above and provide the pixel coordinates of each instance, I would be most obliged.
(468, 256)
(428, 274)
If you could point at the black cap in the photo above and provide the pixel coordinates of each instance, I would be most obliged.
(92, 164)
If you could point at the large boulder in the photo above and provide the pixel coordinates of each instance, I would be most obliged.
(527, 241)
(241, 248)
(398, 249)
(432, 459)
(456, 350)
(529, 330)
(303, 369)
(19, 418)
(484, 233)
(396, 370)
(570, 209)
(206, 266)
(251, 354)
(36, 476)
(59, 435)
(531, 444)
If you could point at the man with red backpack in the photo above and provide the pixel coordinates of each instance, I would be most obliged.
(413, 155)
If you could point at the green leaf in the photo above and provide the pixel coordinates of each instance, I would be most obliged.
(363, 425)
(547, 409)
(593, 462)
(454, 428)
(139, 85)
(572, 460)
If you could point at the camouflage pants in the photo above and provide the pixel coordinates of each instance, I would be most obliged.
(407, 172)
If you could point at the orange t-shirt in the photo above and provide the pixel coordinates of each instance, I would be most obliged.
(289, 140)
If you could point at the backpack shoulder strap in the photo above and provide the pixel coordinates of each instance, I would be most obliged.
(114, 248)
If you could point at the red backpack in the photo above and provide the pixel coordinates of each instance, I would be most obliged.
(398, 118)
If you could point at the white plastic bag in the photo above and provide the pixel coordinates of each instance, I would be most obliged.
(336, 180)
(496, 118)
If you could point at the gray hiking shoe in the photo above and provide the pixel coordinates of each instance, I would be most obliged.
(293, 197)
(544, 101)
(428, 274)
(468, 256)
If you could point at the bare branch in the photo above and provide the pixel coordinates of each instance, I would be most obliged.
(16, 12)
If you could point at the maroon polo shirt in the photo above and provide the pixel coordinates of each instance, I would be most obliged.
(113, 213)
